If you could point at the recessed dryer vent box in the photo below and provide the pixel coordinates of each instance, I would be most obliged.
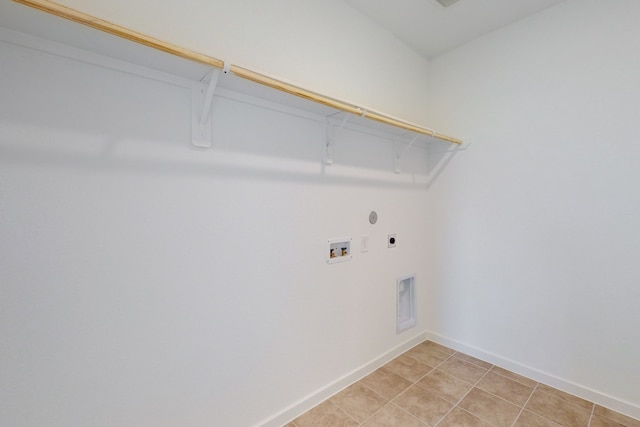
(406, 303)
(339, 250)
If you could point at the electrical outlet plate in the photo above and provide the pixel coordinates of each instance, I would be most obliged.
(392, 241)
(339, 250)
(364, 243)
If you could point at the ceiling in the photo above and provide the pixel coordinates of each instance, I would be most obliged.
(425, 25)
(432, 29)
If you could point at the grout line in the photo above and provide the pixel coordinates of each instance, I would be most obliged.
(348, 413)
(593, 410)
(473, 363)
(512, 379)
(462, 398)
(544, 415)
(474, 385)
(492, 369)
(413, 384)
(404, 410)
(389, 401)
(431, 370)
(455, 405)
(345, 411)
(449, 356)
(374, 412)
(502, 398)
(476, 416)
(372, 415)
(328, 400)
(425, 375)
(525, 403)
(434, 369)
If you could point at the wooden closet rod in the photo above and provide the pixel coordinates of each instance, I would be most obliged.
(117, 30)
(143, 39)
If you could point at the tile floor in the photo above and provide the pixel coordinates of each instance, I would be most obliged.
(432, 385)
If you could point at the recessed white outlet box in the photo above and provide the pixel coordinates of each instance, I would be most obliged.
(338, 250)
(406, 303)
(391, 240)
(364, 243)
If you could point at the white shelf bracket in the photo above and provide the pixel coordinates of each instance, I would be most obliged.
(454, 148)
(330, 135)
(398, 153)
(201, 102)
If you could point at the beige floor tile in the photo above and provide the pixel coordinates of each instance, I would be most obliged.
(386, 383)
(529, 419)
(423, 404)
(408, 368)
(549, 405)
(461, 418)
(325, 414)
(424, 384)
(513, 376)
(464, 370)
(358, 401)
(448, 387)
(616, 416)
(471, 359)
(392, 416)
(490, 408)
(439, 347)
(505, 388)
(575, 400)
(600, 421)
(429, 355)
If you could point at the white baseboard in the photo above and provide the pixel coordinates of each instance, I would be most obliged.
(587, 393)
(324, 393)
(340, 384)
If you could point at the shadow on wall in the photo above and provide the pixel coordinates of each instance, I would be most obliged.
(81, 116)
(115, 155)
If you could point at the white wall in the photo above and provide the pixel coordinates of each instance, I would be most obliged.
(536, 230)
(148, 283)
(325, 46)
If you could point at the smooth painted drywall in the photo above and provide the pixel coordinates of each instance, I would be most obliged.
(324, 46)
(148, 283)
(536, 230)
